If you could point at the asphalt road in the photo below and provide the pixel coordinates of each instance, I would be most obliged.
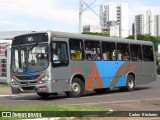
(144, 97)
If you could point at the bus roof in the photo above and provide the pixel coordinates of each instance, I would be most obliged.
(100, 38)
(91, 37)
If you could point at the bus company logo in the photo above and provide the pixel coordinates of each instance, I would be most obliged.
(30, 39)
(6, 114)
(28, 83)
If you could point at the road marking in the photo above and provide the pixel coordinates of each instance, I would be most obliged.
(7, 95)
(106, 95)
(113, 102)
(18, 95)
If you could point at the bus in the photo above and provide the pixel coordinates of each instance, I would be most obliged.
(51, 62)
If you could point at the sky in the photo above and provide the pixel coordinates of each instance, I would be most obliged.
(61, 15)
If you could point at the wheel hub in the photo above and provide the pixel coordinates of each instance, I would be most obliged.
(130, 83)
(75, 88)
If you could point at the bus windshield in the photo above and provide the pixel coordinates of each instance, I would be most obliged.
(30, 58)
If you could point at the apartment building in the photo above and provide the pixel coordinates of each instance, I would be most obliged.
(115, 12)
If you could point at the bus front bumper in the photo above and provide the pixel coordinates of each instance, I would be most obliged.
(39, 88)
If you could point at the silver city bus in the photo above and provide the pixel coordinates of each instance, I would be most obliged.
(52, 62)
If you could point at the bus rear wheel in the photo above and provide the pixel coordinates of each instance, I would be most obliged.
(130, 84)
(77, 88)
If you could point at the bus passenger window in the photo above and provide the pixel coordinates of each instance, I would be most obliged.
(78, 55)
(55, 57)
(88, 57)
(108, 50)
(76, 49)
(123, 52)
(72, 56)
(147, 53)
(97, 56)
(59, 54)
(136, 52)
(126, 56)
(92, 50)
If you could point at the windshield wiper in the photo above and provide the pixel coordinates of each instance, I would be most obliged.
(33, 46)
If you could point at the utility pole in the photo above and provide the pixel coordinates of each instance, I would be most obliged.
(80, 16)
(135, 32)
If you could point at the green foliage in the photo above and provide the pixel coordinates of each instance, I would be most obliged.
(146, 38)
(4, 84)
(56, 110)
(95, 33)
(52, 108)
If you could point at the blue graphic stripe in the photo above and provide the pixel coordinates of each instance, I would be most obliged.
(108, 70)
(122, 81)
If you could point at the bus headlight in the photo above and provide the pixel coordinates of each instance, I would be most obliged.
(13, 82)
(45, 78)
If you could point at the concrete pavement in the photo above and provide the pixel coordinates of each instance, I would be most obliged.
(5, 91)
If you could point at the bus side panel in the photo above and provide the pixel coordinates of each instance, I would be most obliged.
(111, 74)
(149, 72)
(101, 74)
(60, 78)
(138, 71)
(89, 71)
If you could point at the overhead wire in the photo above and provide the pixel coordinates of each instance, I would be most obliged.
(100, 3)
(93, 11)
(89, 5)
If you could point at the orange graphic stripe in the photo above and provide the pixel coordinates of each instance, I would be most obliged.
(91, 78)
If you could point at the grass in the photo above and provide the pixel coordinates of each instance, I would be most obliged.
(55, 110)
(52, 108)
(4, 84)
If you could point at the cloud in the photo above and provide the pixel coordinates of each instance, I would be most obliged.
(40, 9)
(61, 14)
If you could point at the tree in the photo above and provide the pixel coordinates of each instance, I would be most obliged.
(146, 38)
(95, 33)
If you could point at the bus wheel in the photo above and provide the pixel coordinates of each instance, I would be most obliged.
(130, 85)
(77, 88)
(44, 95)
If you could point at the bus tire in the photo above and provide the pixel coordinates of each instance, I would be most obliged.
(44, 95)
(130, 84)
(77, 88)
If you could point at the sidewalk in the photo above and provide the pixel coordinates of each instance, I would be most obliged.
(5, 91)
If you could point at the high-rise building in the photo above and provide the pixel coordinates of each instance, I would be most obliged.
(157, 25)
(148, 24)
(117, 13)
(140, 21)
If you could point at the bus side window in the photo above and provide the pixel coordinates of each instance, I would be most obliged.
(136, 52)
(76, 49)
(59, 54)
(93, 50)
(123, 52)
(147, 53)
(108, 50)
